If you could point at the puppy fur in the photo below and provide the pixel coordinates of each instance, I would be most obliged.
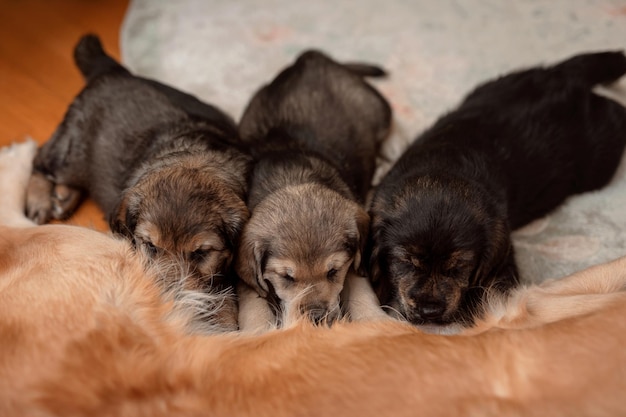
(163, 166)
(514, 150)
(86, 331)
(315, 132)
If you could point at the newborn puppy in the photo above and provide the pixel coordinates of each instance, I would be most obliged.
(315, 132)
(162, 165)
(514, 150)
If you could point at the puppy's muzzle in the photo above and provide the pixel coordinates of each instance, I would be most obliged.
(429, 307)
(319, 313)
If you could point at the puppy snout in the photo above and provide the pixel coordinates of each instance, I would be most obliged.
(317, 316)
(317, 312)
(431, 309)
(429, 303)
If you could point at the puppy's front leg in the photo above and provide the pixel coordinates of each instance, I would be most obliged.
(360, 301)
(255, 314)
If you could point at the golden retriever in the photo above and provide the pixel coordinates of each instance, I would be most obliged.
(85, 331)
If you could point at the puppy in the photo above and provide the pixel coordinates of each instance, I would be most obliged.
(514, 150)
(163, 166)
(315, 132)
(86, 331)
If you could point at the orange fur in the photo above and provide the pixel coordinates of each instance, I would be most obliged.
(86, 331)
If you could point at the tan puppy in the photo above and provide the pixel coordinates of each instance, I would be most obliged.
(86, 332)
(315, 132)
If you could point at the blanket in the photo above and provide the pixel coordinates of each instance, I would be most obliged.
(434, 51)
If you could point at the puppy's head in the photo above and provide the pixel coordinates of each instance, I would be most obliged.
(436, 250)
(183, 216)
(298, 247)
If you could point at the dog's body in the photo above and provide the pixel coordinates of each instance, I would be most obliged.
(163, 166)
(514, 150)
(86, 332)
(315, 130)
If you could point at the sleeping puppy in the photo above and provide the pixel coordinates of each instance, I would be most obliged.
(163, 166)
(315, 132)
(514, 150)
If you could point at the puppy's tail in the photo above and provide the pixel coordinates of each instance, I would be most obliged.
(318, 58)
(92, 60)
(594, 68)
(365, 70)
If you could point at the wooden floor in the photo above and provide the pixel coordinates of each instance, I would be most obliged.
(38, 79)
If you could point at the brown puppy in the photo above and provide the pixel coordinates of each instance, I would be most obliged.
(514, 150)
(86, 332)
(162, 165)
(315, 130)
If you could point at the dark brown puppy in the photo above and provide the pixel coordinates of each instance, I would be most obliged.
(162, 165)
(514, 150)
(315, 130)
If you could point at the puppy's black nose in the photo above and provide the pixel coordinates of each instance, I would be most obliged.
(431, 310)
(317, 316)
(315, 312)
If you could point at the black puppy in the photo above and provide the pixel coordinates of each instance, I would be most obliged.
(165, 168)
(513, 150)
(315, 131)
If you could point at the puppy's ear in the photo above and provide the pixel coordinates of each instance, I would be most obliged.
(250, 263)
(372, 251)
(376, 260)
(234, 222)
(123, 220)
(363, 227)
(497, 269)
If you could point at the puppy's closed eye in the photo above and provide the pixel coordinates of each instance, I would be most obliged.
(410, 259)
(288, 276)
(199, 254)
(147, 247)
(332, 274)
(206, 250)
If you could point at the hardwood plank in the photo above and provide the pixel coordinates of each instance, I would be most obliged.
(38, 78)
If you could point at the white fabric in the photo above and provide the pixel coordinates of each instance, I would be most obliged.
(435, 52)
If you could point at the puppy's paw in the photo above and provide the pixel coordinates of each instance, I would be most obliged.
(64, 201)
(360, 301)
(367, 311)
(255, 314)
(46, 200)
(38, 198)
